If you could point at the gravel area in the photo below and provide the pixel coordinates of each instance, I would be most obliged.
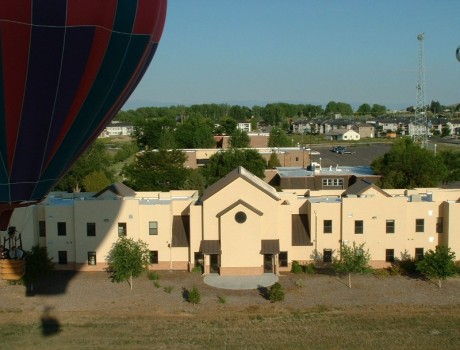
(68, 295)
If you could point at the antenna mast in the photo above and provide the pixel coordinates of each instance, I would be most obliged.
(419, 132)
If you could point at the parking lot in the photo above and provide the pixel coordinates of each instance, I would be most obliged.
(360, 154)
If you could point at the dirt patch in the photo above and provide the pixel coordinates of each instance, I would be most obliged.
(90, 306)
(94, 293)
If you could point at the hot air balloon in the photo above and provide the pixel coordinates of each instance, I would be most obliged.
(66, 68)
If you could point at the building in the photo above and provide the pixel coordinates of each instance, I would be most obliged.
(118, 129)
(287, 156)
(241, 225)
(342, 135)
(318, 178)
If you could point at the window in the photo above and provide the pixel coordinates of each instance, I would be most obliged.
(153, 227)
(327, 255)
(332, 182)
(359, 226)
(240, 217)
(62, 257)
(91, 229)
(419, 254)
(121, 229)
(419, 225)
(61, 228)
(42, 228)
(327, 226)
(283, 259)
(439, 225)
(390, 226)
(389, 255)
(154, 257)
(91, 258)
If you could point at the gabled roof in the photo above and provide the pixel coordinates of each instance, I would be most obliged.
(340, 131)
(243, 203)
(119, 189)
(360, 187)
(240, 173)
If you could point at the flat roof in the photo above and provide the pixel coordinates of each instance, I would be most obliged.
(361, 170)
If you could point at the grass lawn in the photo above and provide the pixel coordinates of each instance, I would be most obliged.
(391, 327)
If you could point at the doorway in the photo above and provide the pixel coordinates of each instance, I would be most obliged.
(214, 263)
(268, 263)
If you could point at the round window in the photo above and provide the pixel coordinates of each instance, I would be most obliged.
(240, 217)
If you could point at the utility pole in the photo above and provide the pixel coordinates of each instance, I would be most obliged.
(420, 130)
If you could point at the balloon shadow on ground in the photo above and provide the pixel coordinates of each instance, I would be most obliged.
(49, 324)
(55, 283)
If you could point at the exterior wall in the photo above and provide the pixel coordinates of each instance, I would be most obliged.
(268, 217)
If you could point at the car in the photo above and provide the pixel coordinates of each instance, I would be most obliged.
(341, 150)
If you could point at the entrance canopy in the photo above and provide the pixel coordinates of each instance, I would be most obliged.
(209, 246)
(270, 246)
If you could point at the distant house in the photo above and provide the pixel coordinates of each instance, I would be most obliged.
(244, 127)
(118, 129)
(365, 130)
(342, 135)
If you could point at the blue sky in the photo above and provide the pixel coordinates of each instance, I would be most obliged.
(252, 52)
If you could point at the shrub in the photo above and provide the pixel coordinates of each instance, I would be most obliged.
(310, 268)
(222, 299)
(381, 272)
(194, 296)
(156, 284)
(168, 289)
(276, 293)
(296, 267)
(299, 283)
(153, 276)
(198, 269)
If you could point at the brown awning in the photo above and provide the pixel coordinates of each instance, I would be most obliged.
(180, 231)
(210, 246)
(270, 246)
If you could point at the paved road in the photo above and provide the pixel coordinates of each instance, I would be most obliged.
(361, 154)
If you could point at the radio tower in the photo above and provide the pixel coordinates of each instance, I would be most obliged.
(420, 129)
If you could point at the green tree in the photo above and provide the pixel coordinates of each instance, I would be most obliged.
(378, 110)
(445, 131)
(407, 165)
(228, 126)
(364, 109)
(239, 139)
(273, 162)
(438, 264)
(37, 264)
(353, 259)
(127, 150)
(161, 170)
(436, 107)
(195, 181)
(221, 163)
(148, 132)
(94, 159)
(195, 132)
(338, 108)
(128, 259)
(451, 160)
(96, 181)
(276, 293)
(278, 138)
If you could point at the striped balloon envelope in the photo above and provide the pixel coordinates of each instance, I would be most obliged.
(66, 68)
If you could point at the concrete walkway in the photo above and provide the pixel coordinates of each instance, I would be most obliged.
(240, 282)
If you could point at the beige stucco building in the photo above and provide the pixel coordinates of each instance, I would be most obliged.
(241, 225)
